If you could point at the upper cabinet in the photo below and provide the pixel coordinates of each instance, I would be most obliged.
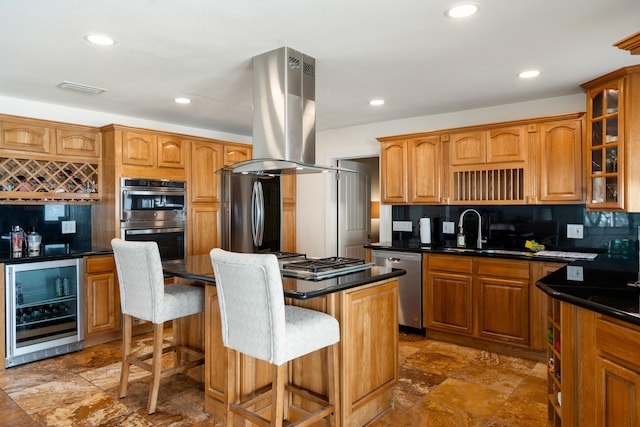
(393, 171)
(520, 162)
(506, 144)
(42, 161)
(558, 150)
(147, 149)
(234, 153)
(206, 158)
(612, 140)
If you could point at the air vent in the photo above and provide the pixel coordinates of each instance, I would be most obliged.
(81, 88)
(309, 69)
(294, 63)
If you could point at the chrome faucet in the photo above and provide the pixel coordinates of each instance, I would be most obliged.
(479, 242)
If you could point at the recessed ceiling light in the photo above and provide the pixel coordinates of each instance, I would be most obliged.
(462, 10)
(182, 101)
(529, 74)
(376, 102)
(100, 39)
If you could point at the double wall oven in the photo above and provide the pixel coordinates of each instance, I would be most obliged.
(155, 210)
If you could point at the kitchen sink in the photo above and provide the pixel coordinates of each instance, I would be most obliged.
(488, 251)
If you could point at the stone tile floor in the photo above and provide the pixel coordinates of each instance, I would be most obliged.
(441, 384)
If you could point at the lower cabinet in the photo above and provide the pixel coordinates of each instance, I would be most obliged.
(502, 300)
(600, 369)
(205, 221)
(477, 297)
(102, 300)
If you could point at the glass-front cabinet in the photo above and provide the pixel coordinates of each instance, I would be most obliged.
(612, 140)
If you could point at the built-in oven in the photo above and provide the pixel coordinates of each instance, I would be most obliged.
(155, 210)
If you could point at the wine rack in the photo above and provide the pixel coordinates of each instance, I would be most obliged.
(48, 180)
(554, 368)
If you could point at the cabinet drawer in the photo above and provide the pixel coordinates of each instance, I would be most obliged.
(618, 341)
(455, 263)
(504, 268)
(100, 263)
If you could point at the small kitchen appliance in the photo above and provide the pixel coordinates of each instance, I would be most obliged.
(17, 241)
(425, 231)
(33, 243)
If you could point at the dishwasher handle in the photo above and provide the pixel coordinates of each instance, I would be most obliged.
(393, 259)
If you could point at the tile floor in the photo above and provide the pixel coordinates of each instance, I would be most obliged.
(441, 384)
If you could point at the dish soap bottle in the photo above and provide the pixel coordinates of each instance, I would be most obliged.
(461, 243)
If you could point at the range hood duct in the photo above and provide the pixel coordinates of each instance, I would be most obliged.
(284, 115)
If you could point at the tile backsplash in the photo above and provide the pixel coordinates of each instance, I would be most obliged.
(510, 226)
(47, 220)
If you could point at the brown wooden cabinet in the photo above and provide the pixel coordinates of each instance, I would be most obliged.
(393, 172)
(102, 300)
(505, 144)
(612, 140)
(539, 304)
(234, 153)
(411, 170)
(448, 293)
(559, 153)
(425, 170)
(599, 370)
(22, 134)
(288, 186)
(368, 317)
(205, 224)
(148, 149)
(502, 300)
(477, 297)
(206, 158)
(78, 141)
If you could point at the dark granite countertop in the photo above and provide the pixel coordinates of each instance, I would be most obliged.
(605, 285)
(198, 267)
(54, 252)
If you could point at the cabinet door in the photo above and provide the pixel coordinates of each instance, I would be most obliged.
(77, 141)
(503, 309)
(467, 148)
(172, 152)
(506, 144)
(560, 161)
(393, 172)
(206, 158)
(605, 147)
(236, 153)
(449, 302)
(617, 394)
(25, 136)
(289, 228)
(102, 295)
(205, 226)
(139, 149)
(425, 166)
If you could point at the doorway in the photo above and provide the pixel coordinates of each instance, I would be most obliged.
(358, 206)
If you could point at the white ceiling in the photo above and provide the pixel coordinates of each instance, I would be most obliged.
(405, 51)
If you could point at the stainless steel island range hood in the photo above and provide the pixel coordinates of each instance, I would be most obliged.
(284, 115)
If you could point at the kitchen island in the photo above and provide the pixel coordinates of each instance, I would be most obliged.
(594, 336)
(365, 303)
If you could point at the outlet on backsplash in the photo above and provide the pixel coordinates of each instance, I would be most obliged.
(448, 227)
(402, 226)
(68, 227)
(575, 231)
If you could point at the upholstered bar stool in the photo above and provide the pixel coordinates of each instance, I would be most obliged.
(144, 295)
(256, 322)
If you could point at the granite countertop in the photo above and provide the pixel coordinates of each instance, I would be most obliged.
(606, 285)
(198, 267)
(54, 252)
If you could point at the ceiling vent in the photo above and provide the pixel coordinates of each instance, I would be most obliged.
(81, 88)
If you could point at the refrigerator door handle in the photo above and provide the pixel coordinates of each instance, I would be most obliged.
(257, 214)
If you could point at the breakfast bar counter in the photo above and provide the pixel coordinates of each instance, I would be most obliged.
(365, 303)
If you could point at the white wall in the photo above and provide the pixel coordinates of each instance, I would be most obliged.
(60, 113)
(317, 195)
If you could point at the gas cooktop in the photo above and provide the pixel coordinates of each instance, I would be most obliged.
(322, 268)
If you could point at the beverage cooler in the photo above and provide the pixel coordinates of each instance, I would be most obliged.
(43, 310)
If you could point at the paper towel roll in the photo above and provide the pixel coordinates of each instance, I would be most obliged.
(425, 231)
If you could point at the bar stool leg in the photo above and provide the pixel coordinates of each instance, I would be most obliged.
(158, 329)
(126, 351)
(333, 385)
(277, 394)
(230, 385)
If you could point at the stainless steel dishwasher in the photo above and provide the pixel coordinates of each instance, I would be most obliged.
(410, 285)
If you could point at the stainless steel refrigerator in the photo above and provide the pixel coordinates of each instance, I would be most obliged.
(251, 213)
